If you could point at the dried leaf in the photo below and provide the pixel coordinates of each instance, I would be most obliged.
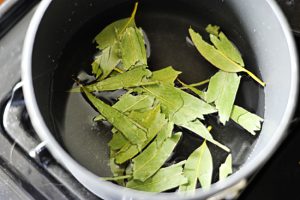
(110, 34)
(179, 106)
(246, 119)
(198, 128)
(129, 102)
(154, 120)
(132, 130)
(165, 179)
(133, 78)
(165, 133)
(153, 157)
(221, 42)
(166, 75)
(222, 90)
(199, 166)
(133, 48)
(225, 168)
(217, 58)
(106, 61)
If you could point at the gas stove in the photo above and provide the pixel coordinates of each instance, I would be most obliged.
(28, 171)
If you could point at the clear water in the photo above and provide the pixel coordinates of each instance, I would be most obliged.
(167, 32)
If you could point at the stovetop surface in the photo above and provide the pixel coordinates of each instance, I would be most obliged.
(29, 172)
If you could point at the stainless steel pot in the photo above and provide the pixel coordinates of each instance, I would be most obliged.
(258, 27)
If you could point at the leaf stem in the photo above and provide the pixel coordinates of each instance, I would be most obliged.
(193, 84)
(118, 70)
(255, 77)
(131, 17)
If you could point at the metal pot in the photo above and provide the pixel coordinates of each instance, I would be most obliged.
(60, 36)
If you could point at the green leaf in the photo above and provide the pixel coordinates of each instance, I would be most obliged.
(165, 179)
(217, 57)
(133, 48)
(111, 33)
(117, 170)
(225, 168)
(199, 166)
(246, 119)
(222, 90)
(200, 93)
(133, 78)
(153, 157)
(212, 29)
(128, 102)
(106, 61)
(222, 43)
(117, 141)
(166, 75)
(166, 132)
(198, 128)
(133, 131)
(153, 120)
(179, 106)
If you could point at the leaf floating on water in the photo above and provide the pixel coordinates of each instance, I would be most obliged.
(198, 128)
(166, 75)
(218, 58)
(110, 34)
(165, 179)
(128, 127)
(222, 90)
(166, 132)
(133, 48)
(221, 42)
(117, 141)
(153, 120)
(128, 102)
(212, 29)
(179, 106)
(226, 168)
(200, 93)
(199, 166)
(106, 61)
(153, 157)
(249, 121)
(133, 78)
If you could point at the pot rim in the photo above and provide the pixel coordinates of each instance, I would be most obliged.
(64, 158)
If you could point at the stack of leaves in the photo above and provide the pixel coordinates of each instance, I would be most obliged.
(143, 119)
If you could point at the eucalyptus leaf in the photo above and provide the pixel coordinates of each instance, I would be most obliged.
(154, 120)
(249, 121)
(133, 131)
(198, 128)
(199, 166)
(165, 179)
(222, 90)
(225, 168)
(133, 48)
(153, 157)
(217, 57)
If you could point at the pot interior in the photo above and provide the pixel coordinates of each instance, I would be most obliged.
(63, 49)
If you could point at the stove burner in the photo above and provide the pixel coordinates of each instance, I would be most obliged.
(50, 178)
